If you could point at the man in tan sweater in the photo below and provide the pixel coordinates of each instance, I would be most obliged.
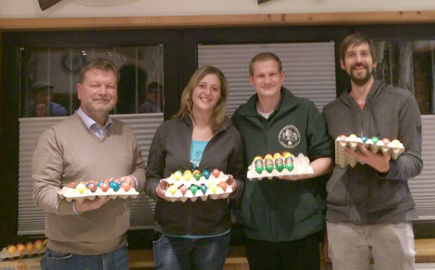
(88, 145)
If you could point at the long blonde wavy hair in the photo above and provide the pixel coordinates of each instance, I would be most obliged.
(218, 114)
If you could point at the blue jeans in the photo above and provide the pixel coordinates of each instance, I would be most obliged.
(116, 260)
(182, 253)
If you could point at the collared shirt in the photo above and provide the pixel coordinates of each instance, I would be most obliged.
(100, 132)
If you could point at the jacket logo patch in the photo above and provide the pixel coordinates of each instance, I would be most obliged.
(289, 136)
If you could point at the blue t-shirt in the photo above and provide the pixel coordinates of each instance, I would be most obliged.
(196, 151)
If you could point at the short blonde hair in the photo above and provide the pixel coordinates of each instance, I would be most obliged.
(218, 114)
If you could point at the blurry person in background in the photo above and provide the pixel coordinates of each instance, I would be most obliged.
(42, 106)
(154, 99)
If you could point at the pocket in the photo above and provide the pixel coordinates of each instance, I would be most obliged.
(54, 255)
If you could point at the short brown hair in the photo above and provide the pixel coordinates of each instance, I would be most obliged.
(263, 57)
(357, 39)
(218, 114)
(100, 64)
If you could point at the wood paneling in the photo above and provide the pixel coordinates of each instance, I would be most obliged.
(396, 17)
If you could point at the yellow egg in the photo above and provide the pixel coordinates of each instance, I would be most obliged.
(395, 143)
(286, 154)
(268, 156)
(178, 175)
(352, 136)
(81, 188)
(173, 189)
(213, 187)
(276, 155)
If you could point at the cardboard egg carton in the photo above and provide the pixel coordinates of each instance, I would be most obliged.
(184, 186)
(394, 147)
(301, 166)
(23, 250)
(90, 190)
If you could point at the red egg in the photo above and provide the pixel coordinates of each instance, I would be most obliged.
(71, 184)
(183, 189)
(223, 185)
(107, 181)
(92, 187)
(104, 187)
(126, 186)
(386, 141)
(216, 173)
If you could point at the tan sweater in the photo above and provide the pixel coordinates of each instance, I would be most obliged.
(69, 151)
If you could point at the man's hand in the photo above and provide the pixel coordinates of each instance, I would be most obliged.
(379, 162)
(88, 205)
(294, 177)
(129, 179)
(161, 190)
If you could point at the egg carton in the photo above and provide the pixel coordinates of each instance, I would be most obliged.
(217, 193)
(171, 180)
(71, 194)
(15, 251)
(394, 147)
(301, 167)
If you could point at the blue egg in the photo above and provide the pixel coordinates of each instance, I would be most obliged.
(206, 174)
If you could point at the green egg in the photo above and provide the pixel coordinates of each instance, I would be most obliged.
(279, 167)
(259, 169)
(269, 168)
(289, 166)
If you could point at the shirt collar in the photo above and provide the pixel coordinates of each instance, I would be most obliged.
(89, 122)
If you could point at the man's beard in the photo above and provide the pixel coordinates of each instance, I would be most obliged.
(363, 80)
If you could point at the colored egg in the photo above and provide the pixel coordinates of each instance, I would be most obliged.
(11, 249)
(197, 176)
(21, 248)
(256, 158)
(30, 247)
(352, 136)
(213, 188)
(173, 189)
(81, 188)
(216, 173)
(92, 187)
(386, 141)
(193, 189)
(286, 154)
(375, 139)
(115, 186)
(269, 168)
(203, 188)
(259, 169)
(39, 245)
(71, 184)
(126, 186)
(289, 166)
(183, 189)
(187, 175)
(342, 137)
(99, 183)
(206, 174)
(279, 167)
(177, 175)
(276, 155)
(223, 185)
(364, 138)
(258, 162)
(395, 143)
(104, 187)
(268, 156)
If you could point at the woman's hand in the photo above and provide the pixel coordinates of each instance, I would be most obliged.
(161, 190)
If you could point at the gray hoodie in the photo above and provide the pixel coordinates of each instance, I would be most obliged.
(361, 195)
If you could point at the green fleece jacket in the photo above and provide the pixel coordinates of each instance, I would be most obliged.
(280, 210)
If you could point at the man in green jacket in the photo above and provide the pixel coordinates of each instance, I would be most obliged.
(282, 217)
